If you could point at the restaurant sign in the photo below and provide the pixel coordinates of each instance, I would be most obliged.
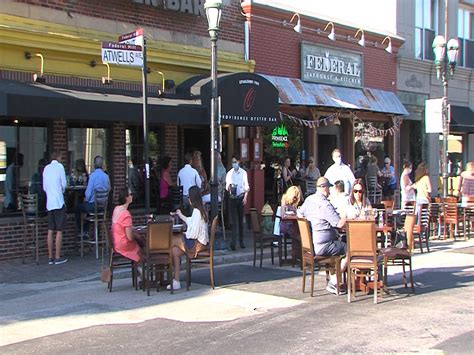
(280, 137)
(327, 65)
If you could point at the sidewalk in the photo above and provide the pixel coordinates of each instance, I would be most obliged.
(14, 272)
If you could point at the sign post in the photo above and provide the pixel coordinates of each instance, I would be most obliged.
(131, 51)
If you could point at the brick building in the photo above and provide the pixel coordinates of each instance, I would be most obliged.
(76, 114)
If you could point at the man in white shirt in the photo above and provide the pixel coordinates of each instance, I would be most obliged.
(187, 177)
(236, 182)
(340, 171)
(54, 184)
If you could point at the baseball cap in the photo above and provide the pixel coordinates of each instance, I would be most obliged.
(387, 160)
(323, 182)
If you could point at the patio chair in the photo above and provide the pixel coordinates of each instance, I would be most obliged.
(31, 219)
(421, 228)
(329, 263)
(434, 225)
(468, 217)
(261, 240)
(158, 254)
(374, 190)
(310, 187)
(362, 257)
(401, 256)
(450, 216)
(118, 261)
(204, 257)
(98, 216)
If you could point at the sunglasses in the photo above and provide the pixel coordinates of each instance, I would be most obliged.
(387, 163)
(358, 191)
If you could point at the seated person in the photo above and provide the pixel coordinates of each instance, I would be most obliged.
(289, 203)
(312, 172)
(126, 241)
(196, 236)
(359, 204)
(324, 223)
(339, 198)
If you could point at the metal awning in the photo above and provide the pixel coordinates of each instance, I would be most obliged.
(294, 91)
(462, 119)
(32, 100)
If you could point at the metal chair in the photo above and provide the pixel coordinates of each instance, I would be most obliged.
(176, 197)
(31, 218)
(421, 228)
(261, 240)
(308, 258)
(310, 187)
(99, 215)
(204, 257)
(374, 190)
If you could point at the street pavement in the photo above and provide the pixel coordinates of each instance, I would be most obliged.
(252, 310)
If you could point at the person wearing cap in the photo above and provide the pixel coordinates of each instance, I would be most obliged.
(340, 171)
(389, 179)
(324, 223)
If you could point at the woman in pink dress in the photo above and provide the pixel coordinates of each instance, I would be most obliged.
(126, 241)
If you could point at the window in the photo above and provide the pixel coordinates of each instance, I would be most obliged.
(85, 144)
(23, 155)
(466, 38)
(136, 167)
(426, 25)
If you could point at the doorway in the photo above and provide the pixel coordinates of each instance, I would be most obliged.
(326, 144)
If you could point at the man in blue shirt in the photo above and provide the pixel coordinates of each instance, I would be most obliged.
(389, 183)
(99, 181)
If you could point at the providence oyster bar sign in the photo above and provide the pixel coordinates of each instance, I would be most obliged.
(331, 66)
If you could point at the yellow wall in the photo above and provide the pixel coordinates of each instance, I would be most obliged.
(68, 51)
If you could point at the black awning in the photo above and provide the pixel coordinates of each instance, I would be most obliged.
(462, 119)
(31, 100)
(246, 98)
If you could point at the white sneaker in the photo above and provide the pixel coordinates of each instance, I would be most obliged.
(176, 285)
(331, 288)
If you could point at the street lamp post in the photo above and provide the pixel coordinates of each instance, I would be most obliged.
(445, 62)
(213, 14)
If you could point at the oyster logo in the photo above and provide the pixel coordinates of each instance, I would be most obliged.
(249, 99)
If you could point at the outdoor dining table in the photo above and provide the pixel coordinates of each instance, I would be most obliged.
(76, 192)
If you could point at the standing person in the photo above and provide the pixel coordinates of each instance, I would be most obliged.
(373, 168)
(238, 186)
(221, 173)
(197, 164)
(312, 171)
(188, 177)
(287, 174)
(340, 171)
(11, 184)
(407, 190)
(196, 236)
(127, 242)
(134, 182)
(165, 179)
(54, 185)
(324, 220)
(466, 185)
(99, 181)
(389, 183)
(37, 185)
(359, 204)
(422, 184)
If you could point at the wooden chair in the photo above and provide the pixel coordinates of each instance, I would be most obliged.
(450, 216)
(158, 254)
(31, 218)
(421, 228)
(261, 240)
(204, 257)
(118, 261)
(434, 223)
(98, 216)
(362, 257)
(308, 258)
(401, 256)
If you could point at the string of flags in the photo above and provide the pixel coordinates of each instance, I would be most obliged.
(359, 124)
(334, 118)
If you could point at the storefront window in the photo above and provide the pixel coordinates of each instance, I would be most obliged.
(135, 164)
(84, 144)
(22, 158)
(369, 141)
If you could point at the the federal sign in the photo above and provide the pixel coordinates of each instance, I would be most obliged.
(194, 7)
(327, 65)
(122, 54)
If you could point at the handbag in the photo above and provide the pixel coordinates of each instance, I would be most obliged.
(400, 241)
(105, 274)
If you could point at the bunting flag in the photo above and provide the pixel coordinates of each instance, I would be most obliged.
(310, 123)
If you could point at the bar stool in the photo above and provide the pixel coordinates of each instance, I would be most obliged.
(99, 215)
(31, 218)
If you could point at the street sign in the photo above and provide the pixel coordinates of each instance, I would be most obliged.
(135, 37)
(122, 54)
